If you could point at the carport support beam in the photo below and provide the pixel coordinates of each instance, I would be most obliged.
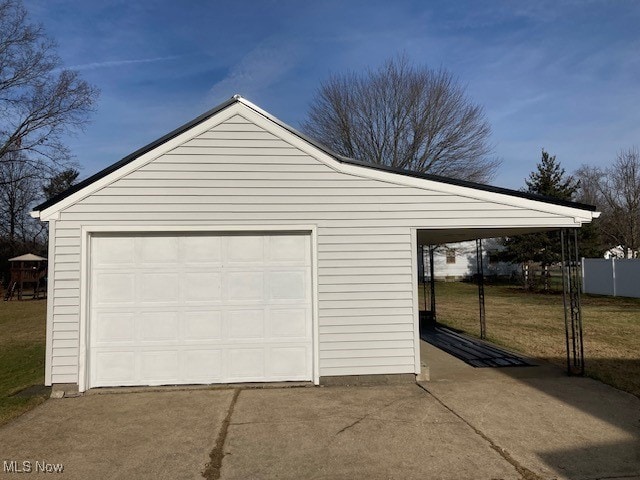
(480, 275)
(571, 301)
(424, 277)
(432, 283)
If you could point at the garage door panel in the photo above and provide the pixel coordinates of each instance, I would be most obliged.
(200, 250)
(289, 249)
(158, 288)
(114, 251)
(114, 288)
(290, 322)
(203, 326)
(288, 285)
(114, 328)
(244, 249)
(245, 286)
(245, 324)
(114, 368)
(200, 309)
(159, 366)
(288, 361)
(246, 363)
(202, 287)
(202, 366)
(154, 250)
(157, 327)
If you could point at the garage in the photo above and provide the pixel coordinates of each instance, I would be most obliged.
(235, 249)
(179, 308)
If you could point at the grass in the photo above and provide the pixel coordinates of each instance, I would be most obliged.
(533, 324)
(22, 352)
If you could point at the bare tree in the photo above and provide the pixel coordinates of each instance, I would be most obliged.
(39, 100)
(616, 192)
(620, 193)
(404, 116)
(593, 242)
(20, 189)
(589, 184)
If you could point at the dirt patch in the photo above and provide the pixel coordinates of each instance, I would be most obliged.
(33, 391)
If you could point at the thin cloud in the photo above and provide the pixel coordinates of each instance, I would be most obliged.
(120, 63)
(260, 68)
(517, 106)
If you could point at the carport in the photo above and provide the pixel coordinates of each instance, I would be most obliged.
(571, 278)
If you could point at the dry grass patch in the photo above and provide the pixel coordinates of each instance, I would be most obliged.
(533, 323)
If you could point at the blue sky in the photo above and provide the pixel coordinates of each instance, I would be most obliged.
(559, 75)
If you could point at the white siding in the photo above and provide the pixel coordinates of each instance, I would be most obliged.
(239, 174)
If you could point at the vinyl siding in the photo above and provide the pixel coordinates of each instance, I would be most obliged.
(237, 173)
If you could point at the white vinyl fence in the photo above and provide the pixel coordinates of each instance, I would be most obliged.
(617, 277)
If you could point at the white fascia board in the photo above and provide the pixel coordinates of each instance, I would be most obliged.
(263, 119)
(38, 215)
(142, 160)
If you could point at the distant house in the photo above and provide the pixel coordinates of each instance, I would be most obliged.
(457, 261)
(619, 252)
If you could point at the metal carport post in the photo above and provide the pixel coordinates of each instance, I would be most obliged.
(571, 286)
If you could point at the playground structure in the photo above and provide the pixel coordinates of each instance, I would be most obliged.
(28, 273)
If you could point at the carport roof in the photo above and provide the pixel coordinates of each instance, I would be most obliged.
(238, 99)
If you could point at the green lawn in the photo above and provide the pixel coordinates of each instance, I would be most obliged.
(22, 351)
(533, 323)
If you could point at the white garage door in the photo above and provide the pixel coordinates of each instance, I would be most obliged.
(199, 308)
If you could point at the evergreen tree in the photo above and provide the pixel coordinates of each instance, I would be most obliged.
(60, 182)
(550, 180)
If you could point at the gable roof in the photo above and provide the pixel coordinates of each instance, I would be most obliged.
(340, 158)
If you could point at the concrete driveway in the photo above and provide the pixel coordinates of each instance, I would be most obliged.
(465, 424)
(161, 435)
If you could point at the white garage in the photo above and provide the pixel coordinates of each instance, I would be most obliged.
(234, 249)
(199, 308)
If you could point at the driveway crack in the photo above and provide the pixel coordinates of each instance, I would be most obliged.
(212, 469)
(366, 415)
(524, 472)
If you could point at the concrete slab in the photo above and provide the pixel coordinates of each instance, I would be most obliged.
(556, 426)
(123, 436)
(354, 432)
